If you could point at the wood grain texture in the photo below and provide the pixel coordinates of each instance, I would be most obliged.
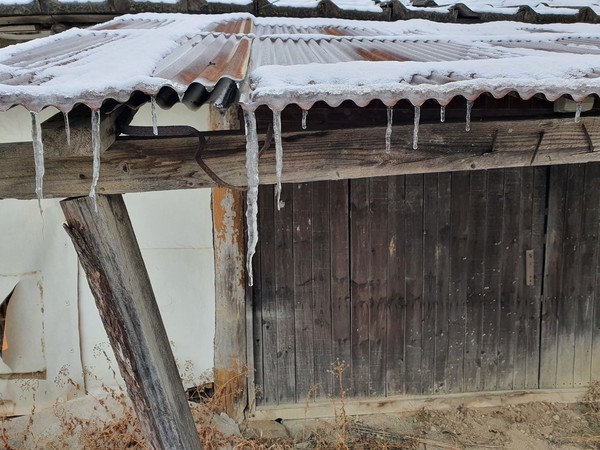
(359, 272)
(396, 266)
(135, 165)
(553, 277)
(303, 288)
(284, 297)
(108, 251)
(340, 276)
(321, 274)
(230, 300)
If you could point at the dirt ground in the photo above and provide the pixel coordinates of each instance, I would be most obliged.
(533, 426)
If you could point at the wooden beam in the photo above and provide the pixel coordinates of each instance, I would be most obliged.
(108, 251)
(168, 163)
(406, 403)
(55, 137)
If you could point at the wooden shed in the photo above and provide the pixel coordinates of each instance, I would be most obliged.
(435, 232)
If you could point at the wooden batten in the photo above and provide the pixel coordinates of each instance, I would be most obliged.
(136, 165)
(108, 251)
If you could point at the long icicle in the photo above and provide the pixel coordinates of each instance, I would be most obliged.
(442, 113)
(278, 156)
(67, 127)
(38, 154)
(153, 112)
(468, 119)
(96, 155)
(416, 127)
(578, 112)
(304, 116)
(252, 194)
(388, 130)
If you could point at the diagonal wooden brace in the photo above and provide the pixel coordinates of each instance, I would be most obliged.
(109, 253)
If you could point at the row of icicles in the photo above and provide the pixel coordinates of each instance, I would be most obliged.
(252, 151)
(38, 150)
(252, 156)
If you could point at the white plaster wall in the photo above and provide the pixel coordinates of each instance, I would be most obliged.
(174, 230)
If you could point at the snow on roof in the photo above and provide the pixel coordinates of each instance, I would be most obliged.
(300, 61)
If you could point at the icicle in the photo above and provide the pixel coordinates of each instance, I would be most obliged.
(388, 130)
(67, 127)
(304, 116)
(442, 113)
(252, 194)
(180, 95)
(154, 119)
(416, 128)
(469, 109)
(38, 153)
(96, 155)
(578, 112)
(278, 156)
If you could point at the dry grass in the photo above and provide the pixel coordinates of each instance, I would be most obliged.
(113, 424)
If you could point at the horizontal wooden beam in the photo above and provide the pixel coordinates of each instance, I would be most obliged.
(168, 163)
(404, 403)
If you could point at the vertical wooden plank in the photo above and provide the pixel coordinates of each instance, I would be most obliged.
(552, 276)
(414, 282)
(321, 267)
(442, 260)
(594, 178)
(378, 285)
(266, 330)
(493, 270)
(430, 272)
(571, 267)
(538, 237)
(359, 270)
(284, 296)
(458, 281)
(475, 278)
(108, 251)
(588, 252)
(254, 315)
(339, 214)
(510, 257)
(396, 306)
(230, 297)
(303, 289)
(524, 293)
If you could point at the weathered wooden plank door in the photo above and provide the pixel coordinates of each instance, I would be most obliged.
(570, 326)
(419, 283)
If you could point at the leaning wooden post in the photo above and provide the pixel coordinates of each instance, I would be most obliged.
(111, 258)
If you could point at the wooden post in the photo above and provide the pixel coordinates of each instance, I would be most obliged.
(230, 296)
(231, 361)
(111, 258)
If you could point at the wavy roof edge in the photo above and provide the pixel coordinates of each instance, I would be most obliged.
(51, 12)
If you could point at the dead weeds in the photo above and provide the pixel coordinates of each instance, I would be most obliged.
(113, 425)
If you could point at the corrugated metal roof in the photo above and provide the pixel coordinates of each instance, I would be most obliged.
(280, 61)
